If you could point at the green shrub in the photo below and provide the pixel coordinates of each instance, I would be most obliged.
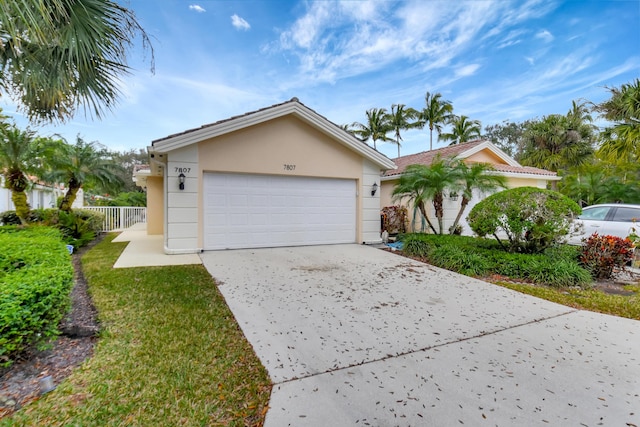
(557, 266)
(415, 244)
(458, 260)
(78, 227)
(532, 219)
(37, 277)
(601, 254)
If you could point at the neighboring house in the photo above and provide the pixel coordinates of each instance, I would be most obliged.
(479, 151)
(39, 196)
(280, 176)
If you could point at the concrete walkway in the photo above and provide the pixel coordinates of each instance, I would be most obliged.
(353, 335)
(146, 250)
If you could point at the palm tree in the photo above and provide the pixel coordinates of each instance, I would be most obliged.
(622, 140)
(400, 119)
(376, 128)
(421, 183)
(18, 159)
(412, 186)
(478, 176)
(59, 55)
(463, 130)
(80, 164)
(558, 143)
(436, 113)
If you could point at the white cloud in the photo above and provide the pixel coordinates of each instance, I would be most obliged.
(467, 70)
(197, 8)
(530, 60)
(545, 35)
(239, 23)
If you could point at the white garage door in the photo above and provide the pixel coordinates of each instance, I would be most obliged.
(256, 211)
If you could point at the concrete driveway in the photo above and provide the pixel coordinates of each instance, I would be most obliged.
(353, 335)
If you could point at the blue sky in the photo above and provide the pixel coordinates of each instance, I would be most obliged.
(494, 60)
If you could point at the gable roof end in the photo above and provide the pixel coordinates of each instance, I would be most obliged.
(293, 107)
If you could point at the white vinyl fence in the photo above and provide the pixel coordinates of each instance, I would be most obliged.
(118, 218)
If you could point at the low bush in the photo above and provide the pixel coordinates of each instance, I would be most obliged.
(533, 219)
(600, 255)
(78, 227)
(557, 266)
(37, 277)
(415, 244)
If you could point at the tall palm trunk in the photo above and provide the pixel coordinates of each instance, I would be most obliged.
(430, 137)
(423, 211)
(437, 206)
(463, 206)
(70, 196)
(17, 183)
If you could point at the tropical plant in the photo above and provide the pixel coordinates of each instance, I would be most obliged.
(59, 55)
(558, 142)
(400, 119)
(507, 136)
(462, 130)
(79, 164)
(421, 183)
(479, 177)
(435, 114)
(18, 159)
(533, 219)
(376, 128)
(622, 139)
(602, 254)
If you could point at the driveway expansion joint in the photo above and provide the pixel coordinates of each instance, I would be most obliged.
(423, 349)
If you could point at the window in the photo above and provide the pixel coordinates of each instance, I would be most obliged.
(624, 214)
(598, 213)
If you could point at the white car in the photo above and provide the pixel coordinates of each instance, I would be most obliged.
(607, 220)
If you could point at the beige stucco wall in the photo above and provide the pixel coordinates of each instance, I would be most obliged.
(484, 156)
(289, 146)
(155, 205)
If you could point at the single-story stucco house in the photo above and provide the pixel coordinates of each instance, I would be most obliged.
(279, 176)
(478, 151)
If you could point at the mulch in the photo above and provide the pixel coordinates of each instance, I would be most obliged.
(20, 383)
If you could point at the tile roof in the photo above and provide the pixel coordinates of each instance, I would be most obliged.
(294, 99)
(426, 157)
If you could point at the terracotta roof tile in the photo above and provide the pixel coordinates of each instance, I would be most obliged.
(426, 157)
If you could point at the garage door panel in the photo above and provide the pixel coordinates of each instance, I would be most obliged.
(244, 211)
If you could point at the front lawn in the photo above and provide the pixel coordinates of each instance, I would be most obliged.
(170, 354)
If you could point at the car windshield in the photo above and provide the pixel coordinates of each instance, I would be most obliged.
(598, 212)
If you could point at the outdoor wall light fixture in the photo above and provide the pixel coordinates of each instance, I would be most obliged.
(453, 196)
(181, 178)
(374, 188)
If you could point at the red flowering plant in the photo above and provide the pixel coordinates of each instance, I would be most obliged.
(602, 254)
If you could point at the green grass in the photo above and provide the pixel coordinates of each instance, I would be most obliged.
(170, 354)
(589, 299)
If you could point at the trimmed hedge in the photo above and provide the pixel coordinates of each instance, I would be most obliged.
(557, 266)
(37, 277)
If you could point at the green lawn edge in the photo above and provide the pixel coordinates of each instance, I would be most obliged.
(170, 354)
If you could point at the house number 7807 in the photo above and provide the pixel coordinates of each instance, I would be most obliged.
(289, 167)
(183, 170)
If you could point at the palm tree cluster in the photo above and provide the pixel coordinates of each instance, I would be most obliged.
(421, 184)
(596, 165)
(24, 155)
(436, 114)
